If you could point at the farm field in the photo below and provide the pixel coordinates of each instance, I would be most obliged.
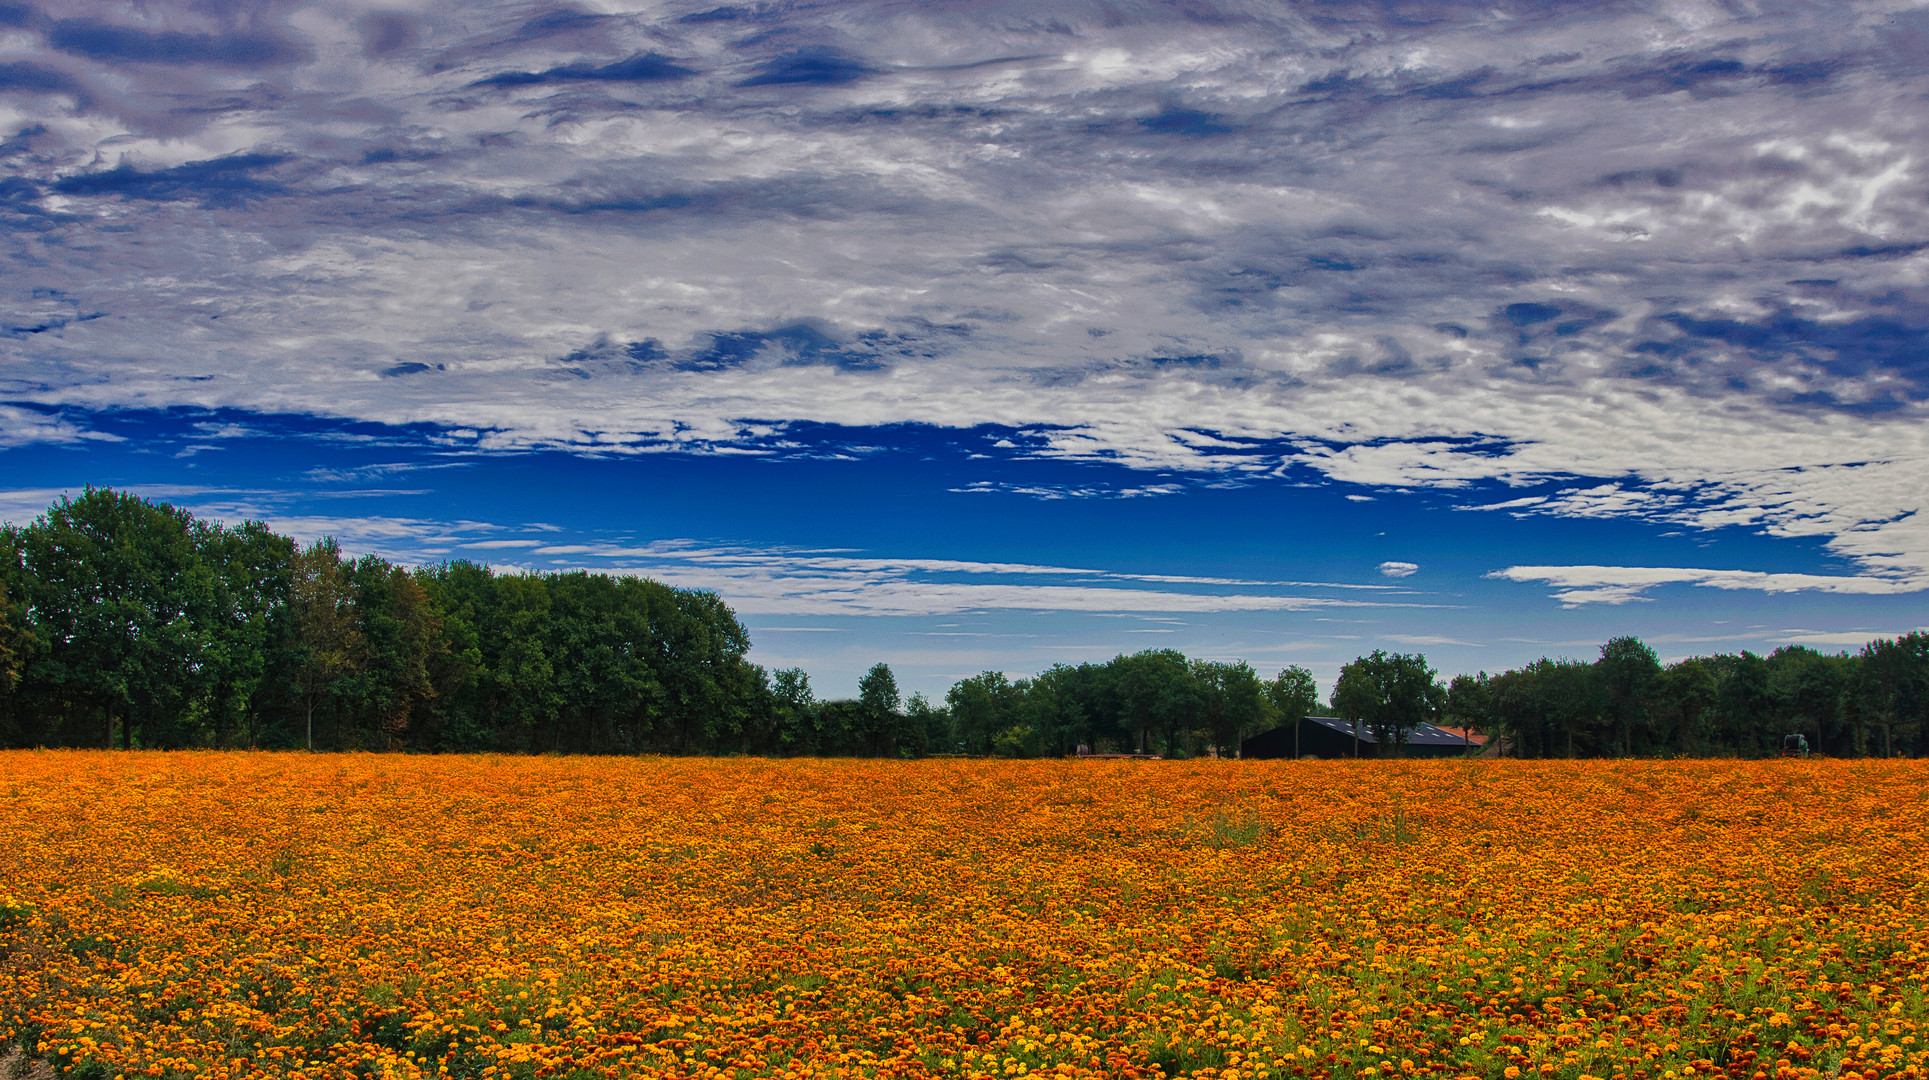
(225, 914)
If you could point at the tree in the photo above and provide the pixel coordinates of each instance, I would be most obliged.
(15, 648)
(1392, 693)
(1293, 693)
(877, 692)
(253, 575)
(795, 722)
(1160, 693)
(1470, 703)
(1236, 702)
(1895, 673)
(119, 598)
(401, 638)
(1743, 713)
(1292, 696)
(1051, 709)
(1548, 708)
(328, 639)
(1681, 701)
(929, 724)
(1626, 668)
(1805, 691)
(981, 707)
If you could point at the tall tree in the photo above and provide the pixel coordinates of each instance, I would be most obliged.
(328, 635)
(1292, 696)
(1805, 689)
(981, 707)
(877, 691)
(1052, 711)
(1235, 702)
(1895, 673)
(1743, 714)
(1470, 703)
(796, 709)
(1392, 693)
(118, 597)
(1626, 668)
(933, 722)
(253, 573)
(15, 648)
(401, 635)
(1160, 694)
(1681, 702)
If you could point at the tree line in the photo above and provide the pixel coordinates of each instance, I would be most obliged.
(130, 623)
(125, 622)
(1871, 702)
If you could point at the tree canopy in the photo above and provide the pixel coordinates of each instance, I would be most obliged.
(130, 623)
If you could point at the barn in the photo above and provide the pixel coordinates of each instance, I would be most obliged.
(1331, 737)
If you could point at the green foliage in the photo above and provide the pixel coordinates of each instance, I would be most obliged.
(1848, 705)
(131, 623)
(1392, 693)
(125, 622)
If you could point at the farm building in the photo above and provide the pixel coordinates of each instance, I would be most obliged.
(1331, 737)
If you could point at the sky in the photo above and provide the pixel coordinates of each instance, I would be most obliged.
(988, 335)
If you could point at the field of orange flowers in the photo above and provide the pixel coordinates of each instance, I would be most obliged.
(226, 915)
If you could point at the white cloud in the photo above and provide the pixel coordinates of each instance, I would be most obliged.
(1663, 263)
(22, 427)
(1580, 585)
(784, 582)
(1394, 569)
(1847, 638)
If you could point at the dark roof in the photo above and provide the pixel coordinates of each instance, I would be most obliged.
(1423, 735)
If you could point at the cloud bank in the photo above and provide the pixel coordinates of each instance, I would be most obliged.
(1669, 260)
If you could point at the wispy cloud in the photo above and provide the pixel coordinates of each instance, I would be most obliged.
(781, 582)
(1669, 261)
(1578, 585)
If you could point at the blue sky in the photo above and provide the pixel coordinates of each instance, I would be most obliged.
(988, 335)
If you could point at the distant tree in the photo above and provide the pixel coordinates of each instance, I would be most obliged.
(15, 648)
(981, 707)
(1681, 704)
(877, 692)
(1235, 702)
(1161, 696)
(1470, 703)
(929, 725)
(253, 574)
(119, 600)
(633, 668)
(1805, 691)
(1743, 715)
(1052, 711)
(1293, 693)
(401, 639)
(327, 632)
(1549, 708)
(795, 708)
(1895, 677)
(1626, 669)
(1392, 693)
